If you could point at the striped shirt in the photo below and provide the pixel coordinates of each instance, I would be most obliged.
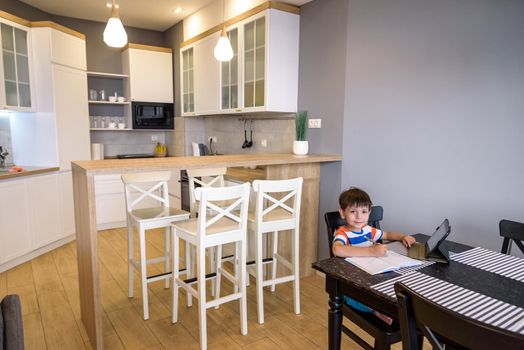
(348, 237)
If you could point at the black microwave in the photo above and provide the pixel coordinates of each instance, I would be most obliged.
(151, 115)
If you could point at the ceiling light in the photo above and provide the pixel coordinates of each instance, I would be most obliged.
(178, 10)
(115, 34)
(223, 50)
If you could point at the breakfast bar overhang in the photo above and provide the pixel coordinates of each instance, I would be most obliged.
(278, 166)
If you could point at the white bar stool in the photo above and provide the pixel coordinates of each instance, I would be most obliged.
(225, 222)
(144, 190)
(273, 214)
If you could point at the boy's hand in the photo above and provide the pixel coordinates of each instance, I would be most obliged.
(379, 249)
(408, 241)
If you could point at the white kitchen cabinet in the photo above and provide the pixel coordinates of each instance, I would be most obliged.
(15, 234)
(43, 197)
(15, 68)
(66, 204)
(150, 71)
(67, 50)
(261, 77)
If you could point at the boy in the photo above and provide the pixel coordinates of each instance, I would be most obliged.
(357, 238)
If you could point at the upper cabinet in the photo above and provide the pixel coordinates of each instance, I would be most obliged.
(262, 76)
(15, 67)
(150, 71)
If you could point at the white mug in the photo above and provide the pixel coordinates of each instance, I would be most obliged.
(121, 125)
(111, 125)
(112, 99)
(121, 99)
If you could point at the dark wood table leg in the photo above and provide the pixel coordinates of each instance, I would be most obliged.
(335, 321)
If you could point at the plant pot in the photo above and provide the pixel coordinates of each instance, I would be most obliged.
(300, 148)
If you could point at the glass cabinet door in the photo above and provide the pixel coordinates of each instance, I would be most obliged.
(16, 66)
(188, 95)
(254, 62)
(229, 75)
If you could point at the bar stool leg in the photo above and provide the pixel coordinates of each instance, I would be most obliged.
(201, 272)
(296, 272)
(243, 298)
(236, 266)
(260, 278)
(218, 272)
(274, 263)
(143, 271)
(167, 244)
(130, 253)
(212, 267)
(176, 263)
(189, 263)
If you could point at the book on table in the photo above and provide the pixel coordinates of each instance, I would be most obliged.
(379, 264)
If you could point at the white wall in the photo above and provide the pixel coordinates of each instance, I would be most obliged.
(434, 113)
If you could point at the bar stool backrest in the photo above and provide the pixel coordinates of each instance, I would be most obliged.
(204, 178)
(274, 196)
(141, 187)
(223, 203)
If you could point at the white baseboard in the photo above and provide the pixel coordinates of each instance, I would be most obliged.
(110, 225)
(35, 253)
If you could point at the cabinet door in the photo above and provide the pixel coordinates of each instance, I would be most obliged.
(229, 77)
(15, 234)
(72, 115)
(67, 205)
(186, 70)
(68, 50)
(206, 76)
(43, 194)
(151, 76)
(16, 67)
(254, 63)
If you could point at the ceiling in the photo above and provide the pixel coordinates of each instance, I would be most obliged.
(135, 13)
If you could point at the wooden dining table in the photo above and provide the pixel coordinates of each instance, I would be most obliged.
(278, 166)
(475, 272)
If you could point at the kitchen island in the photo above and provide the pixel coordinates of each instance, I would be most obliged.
(278, 166)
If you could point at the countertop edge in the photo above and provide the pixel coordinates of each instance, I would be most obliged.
(29, 172)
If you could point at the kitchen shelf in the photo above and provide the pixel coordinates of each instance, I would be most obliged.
(107, 75)
(110, 129)
(95, 102)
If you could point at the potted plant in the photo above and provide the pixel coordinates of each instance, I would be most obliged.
(301, 146)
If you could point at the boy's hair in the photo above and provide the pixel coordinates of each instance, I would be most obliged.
(354, 197)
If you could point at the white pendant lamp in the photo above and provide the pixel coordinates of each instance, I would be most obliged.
(115, 35)
(223, 50)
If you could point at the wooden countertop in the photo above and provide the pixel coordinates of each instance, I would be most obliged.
(27, 171)
(244, 174)
(115, 166)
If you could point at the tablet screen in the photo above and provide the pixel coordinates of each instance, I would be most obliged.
(437, 236)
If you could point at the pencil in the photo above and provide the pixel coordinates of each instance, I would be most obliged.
(370, 240)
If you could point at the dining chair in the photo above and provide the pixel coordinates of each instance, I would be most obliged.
(384, 335)
(513, 232)
(147, 202)
(224, 221)
(445, 328)
(277, 209)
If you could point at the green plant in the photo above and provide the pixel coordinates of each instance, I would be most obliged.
(301, 121)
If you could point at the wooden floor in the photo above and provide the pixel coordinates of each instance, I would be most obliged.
(48, 287)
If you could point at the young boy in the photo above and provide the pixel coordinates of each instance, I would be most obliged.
(357, 238)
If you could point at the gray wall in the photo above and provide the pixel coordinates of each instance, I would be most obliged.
(433, 122)
(321, 91)
(23, 10)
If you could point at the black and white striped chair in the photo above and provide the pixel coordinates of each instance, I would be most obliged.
(444, 326)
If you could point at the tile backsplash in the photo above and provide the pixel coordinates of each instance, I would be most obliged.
(5, 137)
(121, 142)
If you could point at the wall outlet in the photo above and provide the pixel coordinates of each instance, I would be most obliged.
(315, 123)
(154, 138)
(263, 143)
(212, 138)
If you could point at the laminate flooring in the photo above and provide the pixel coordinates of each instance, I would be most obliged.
(48, 288)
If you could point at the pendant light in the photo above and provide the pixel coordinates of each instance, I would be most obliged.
(223, 50)
(115, 34)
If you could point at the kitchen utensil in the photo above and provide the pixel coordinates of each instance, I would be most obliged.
(112, 99)
(121, 125)
(111, 125)
(93, 95)
(121, 99)
(250, 143)
(244, 145)
(97, 151)
(102, 95)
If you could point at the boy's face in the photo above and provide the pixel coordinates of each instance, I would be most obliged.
(356, 217)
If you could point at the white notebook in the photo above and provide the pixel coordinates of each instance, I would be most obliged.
(379, 264)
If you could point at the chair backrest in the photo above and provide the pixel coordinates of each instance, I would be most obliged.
(278, 196)
(203, 178)
(441, 324)
(511, 231)
(334, 221)
(140, 187)
(226, 208)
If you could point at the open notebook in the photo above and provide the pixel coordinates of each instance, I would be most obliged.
(378, 264)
